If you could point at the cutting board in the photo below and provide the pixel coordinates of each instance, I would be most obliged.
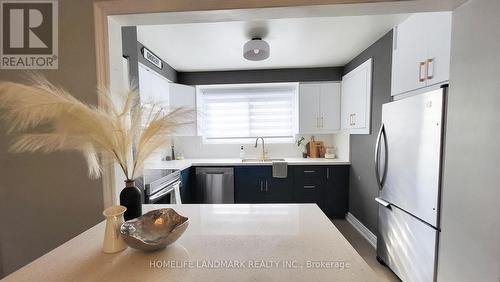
(315, 149)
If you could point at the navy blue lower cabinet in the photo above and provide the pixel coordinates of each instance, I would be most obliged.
(279, 190)
(337, 191)
(188, 186)
(249, 184)
(326, 186)
(309, 185)
(255, 184)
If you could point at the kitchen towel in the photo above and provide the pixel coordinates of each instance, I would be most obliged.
(175, 195)
(280, 169)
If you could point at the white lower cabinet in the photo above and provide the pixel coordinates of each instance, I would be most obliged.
(356, 99)
(319, 107)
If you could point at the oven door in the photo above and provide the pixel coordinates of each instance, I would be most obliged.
(168, 195)
(160, 197)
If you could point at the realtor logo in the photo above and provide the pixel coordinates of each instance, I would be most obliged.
(29, 34)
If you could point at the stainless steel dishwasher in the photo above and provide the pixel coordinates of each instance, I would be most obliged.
(215, 185)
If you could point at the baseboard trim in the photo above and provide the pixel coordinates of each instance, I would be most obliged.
(365, 232)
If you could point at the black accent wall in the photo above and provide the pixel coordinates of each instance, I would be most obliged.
(261, 76)
(363, 186)
(131, 49)
(167, 71)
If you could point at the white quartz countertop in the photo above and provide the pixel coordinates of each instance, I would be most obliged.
(267, 242)
(183, 164)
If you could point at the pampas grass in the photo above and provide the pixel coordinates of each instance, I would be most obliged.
(46, 118)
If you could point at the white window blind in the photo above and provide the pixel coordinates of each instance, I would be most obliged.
(248, 111)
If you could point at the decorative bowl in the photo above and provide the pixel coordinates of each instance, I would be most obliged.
(154, 230)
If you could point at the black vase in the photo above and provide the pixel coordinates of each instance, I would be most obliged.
(131, 198)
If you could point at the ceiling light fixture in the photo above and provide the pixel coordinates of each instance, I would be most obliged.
(256, 50)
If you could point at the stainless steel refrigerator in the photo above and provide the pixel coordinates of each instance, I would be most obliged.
(408, 160)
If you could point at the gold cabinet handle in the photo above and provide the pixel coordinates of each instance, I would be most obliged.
(429, 70)
(420, 72)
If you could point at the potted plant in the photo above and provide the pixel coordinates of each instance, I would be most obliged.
(301, 143)
(47, 118)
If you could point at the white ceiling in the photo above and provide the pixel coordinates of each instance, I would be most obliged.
(294, 42)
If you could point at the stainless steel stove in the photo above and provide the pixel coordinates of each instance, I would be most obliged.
(160, 186)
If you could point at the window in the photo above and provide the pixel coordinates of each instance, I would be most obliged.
(240, 113)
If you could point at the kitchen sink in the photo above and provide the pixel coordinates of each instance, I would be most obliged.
(261, 161)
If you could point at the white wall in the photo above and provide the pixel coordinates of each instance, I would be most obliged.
(119, 87)
(470, 238)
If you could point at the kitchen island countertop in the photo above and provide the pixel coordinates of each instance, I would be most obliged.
(272, 242)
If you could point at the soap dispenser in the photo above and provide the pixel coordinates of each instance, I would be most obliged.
(242, 152)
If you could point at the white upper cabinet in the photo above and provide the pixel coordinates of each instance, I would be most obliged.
(309, 107)
(319, 107)
(421, 52)
(184, 96)
(153, 88)
(408, 54)
(356, 99)
(439, 47)
(329, 107)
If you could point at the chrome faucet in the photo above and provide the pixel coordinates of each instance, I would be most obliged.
(263, 147)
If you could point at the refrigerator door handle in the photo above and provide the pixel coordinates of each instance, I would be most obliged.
(381, 181)
(383, 203)
(386, 152)
(377, 157)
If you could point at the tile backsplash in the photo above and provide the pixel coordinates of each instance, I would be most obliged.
(192, 147)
